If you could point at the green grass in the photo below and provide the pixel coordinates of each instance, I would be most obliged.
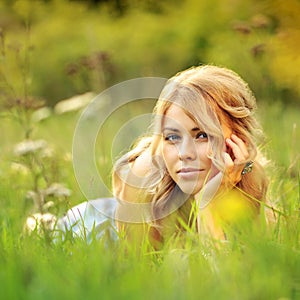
(259, 264)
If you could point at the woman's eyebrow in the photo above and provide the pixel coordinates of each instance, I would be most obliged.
(177, 130)
(171, 129)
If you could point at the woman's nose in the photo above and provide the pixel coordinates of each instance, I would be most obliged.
(187, 150)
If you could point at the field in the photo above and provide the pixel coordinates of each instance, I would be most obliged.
(263, 264)
(53, 50)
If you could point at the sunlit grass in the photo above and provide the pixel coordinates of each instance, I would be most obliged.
(262, 263)
(259, 263)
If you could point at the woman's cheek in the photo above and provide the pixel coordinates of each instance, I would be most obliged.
(208, 151)
(205, 151)
(169, 154)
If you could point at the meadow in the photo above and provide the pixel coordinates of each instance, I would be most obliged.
(260, 264)
(94, 47)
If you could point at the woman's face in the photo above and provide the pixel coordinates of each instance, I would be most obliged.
(185, 149)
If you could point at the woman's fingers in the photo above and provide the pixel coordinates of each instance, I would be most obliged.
(235, 162)
(232, 171)
(228, 161)
(238, 148)
(241, 144)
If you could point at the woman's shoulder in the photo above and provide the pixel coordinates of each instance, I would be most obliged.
(131, 181)
(142, 166)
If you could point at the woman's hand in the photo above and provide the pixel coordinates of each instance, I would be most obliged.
(235, 158)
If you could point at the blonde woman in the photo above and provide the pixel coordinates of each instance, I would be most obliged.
(198, 168)
(200, 163)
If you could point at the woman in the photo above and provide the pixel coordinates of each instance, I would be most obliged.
(198, 169)
(200, 164)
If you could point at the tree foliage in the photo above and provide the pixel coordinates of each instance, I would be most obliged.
(56, 48)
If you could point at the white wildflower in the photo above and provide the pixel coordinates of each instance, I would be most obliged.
(48, 205)
(57, 190)
(39, 222)
(29, 146)
(74, 103)
(41, 114)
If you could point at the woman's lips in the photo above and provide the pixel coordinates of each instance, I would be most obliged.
(189, 172)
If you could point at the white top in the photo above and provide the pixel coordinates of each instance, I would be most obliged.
(90, 220)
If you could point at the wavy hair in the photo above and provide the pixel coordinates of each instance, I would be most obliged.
(210, 96)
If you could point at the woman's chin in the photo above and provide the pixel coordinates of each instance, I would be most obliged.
(190, 189)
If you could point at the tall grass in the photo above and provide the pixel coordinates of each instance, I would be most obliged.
(263, 263)
(259, 263)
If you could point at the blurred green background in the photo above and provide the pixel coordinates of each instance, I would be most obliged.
(52, 50)
(70, 47)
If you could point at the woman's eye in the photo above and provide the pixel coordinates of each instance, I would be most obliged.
(201, 135)
(172, 138)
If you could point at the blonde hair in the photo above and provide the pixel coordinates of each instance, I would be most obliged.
(210, 95)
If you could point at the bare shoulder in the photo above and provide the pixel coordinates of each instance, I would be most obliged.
(142, 165)
(131, 181)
